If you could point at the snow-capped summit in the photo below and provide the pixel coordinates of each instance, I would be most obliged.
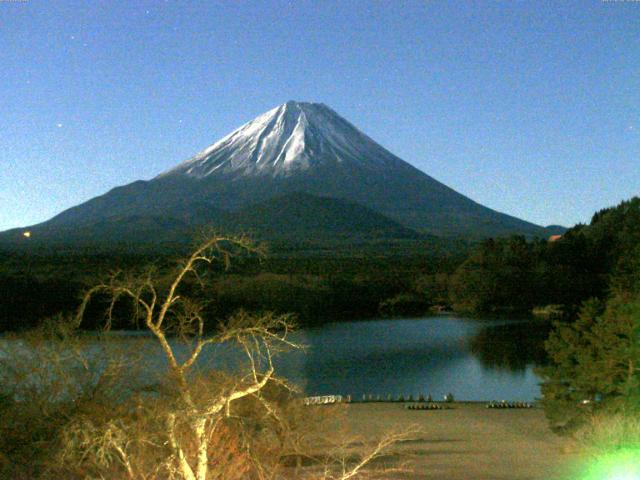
(297, 164)
(289, 138)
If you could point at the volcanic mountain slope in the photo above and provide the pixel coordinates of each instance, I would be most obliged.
(299, 215)
(293, 218)
(296, 148)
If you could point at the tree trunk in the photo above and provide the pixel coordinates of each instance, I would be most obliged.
(200, 429)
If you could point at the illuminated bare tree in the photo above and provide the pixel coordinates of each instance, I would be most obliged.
(169, 314)
(198, 425)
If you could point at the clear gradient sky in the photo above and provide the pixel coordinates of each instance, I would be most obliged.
(528, 107)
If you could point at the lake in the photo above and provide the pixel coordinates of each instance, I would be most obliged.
(472, 359)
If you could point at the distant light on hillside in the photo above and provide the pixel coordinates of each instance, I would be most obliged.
(26, 234)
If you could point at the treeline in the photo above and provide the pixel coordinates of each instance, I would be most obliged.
(317, 299)
(511, 276)
(594, 368)
(515, 275)
(314, 289)
(34, 287)
(26, 300)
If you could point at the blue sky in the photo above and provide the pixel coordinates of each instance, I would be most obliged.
(529, 107)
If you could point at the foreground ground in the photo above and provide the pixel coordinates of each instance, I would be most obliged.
(467, 442)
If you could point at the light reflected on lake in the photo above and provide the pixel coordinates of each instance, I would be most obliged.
(473, 359)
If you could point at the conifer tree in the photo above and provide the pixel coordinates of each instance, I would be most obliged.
(595, 363)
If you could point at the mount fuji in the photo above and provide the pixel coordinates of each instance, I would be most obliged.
(297, 170)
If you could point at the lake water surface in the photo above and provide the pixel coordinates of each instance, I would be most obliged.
(473, 359)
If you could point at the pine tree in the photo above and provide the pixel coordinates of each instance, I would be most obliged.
(595, 362)
(563, 389)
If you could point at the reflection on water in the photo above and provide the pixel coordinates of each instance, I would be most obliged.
(473, 359)
(511, 346)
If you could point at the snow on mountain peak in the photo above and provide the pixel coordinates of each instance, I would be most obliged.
(290, 138)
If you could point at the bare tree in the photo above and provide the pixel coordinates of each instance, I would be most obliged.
(164, 314)
(99, 406)
(49, 378)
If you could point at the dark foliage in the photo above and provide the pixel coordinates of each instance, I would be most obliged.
(27, 299)
(595, 360)
(315, 285)
(512, 346)
(514, 274)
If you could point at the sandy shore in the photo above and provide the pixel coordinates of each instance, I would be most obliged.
(466, 442)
